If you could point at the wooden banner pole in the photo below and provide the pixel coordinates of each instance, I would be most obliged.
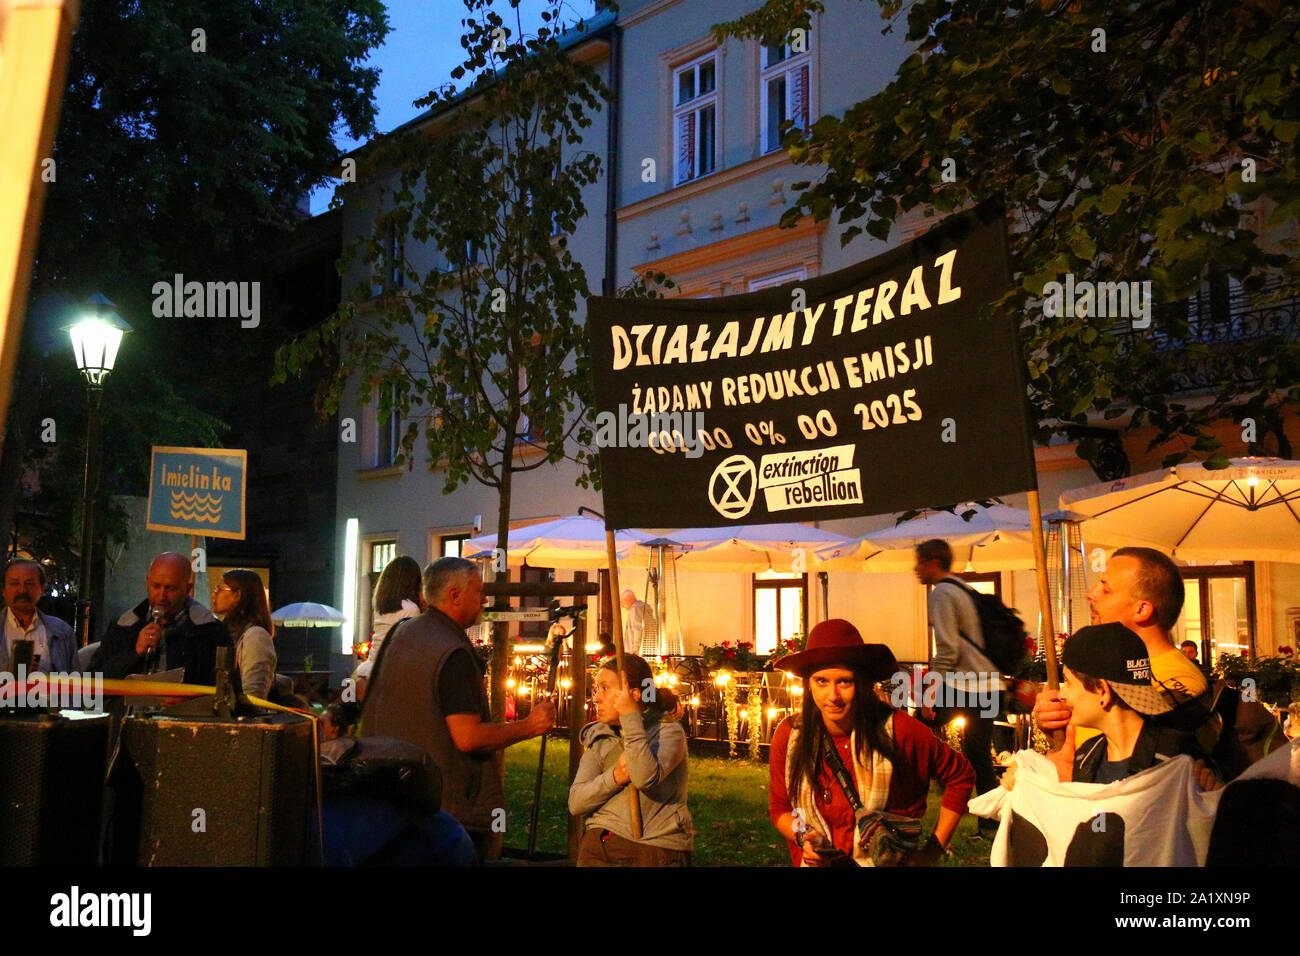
(612, 555)
(1047, 627)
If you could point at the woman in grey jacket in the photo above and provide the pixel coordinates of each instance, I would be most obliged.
(241, 601)
(636, 738)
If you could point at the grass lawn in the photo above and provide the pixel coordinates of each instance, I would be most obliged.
(727, 800)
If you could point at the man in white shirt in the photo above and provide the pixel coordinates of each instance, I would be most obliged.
(640, 631)
(53, 640)
(969, 676)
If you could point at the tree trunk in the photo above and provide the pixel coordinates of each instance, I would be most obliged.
(500, 658)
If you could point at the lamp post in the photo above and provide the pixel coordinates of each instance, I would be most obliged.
(95, 340)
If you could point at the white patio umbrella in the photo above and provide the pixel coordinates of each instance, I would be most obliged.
(573, 543)
(307, 614)
(751, 547)
(996, 538)
(1248, 511)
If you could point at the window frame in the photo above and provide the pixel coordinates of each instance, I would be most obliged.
(695, 106)
(783, 68)
(393, 427)
(766, 584)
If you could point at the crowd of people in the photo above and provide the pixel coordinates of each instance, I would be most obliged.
(849, 777)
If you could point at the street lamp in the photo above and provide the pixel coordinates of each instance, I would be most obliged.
(96, 337)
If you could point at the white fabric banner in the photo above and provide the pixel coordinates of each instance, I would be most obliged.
(1158, 817)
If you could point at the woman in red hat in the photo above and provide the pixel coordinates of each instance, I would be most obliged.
(849, 779)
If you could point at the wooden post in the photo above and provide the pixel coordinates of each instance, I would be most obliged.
(610, 553)
(1048, 626)
(578, 702)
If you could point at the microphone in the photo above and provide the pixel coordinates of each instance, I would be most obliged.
(156, 614)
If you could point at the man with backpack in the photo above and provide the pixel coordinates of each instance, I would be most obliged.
(969, 672)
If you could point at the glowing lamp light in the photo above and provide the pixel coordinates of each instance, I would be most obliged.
(566, 683)
(771, 713)
(695, 702)
(959, 723)
(96, 338)
(744, 714)
(797, 690)
(1252, 481)
(351, 537)
(510, 682)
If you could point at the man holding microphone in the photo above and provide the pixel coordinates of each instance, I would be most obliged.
(167, 630)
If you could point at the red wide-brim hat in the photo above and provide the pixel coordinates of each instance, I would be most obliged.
(838, 642)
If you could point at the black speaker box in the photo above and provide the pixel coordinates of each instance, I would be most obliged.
(51, 789)
(204, 792)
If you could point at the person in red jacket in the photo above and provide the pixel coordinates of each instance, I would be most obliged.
(887, 758)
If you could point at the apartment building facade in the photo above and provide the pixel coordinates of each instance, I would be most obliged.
(694, 186)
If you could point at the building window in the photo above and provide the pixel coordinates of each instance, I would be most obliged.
(780, 608)
(695, 119)
(394, 256)
(785, 84)
(381, 555)
(1218, 611)
(452, 545)
(778, 278)
(388, 434)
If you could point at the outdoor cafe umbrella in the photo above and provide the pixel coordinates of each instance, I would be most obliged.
(1248, 511)
(996, 538)
(746, 547)
(574, 543)
(307, 614)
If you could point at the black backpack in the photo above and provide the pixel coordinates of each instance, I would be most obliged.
(1004, 633)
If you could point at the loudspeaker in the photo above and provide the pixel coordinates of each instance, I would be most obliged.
(51, 789)
(204, 792)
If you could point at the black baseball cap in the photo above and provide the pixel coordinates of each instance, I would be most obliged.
(1116, 655)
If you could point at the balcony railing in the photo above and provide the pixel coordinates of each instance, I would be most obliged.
(1220, 325)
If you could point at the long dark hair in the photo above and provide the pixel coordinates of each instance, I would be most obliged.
(869, 716)
(252, 609)
(665, 703)
(399, 580)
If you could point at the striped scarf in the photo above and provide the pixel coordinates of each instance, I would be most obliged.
(872, 781)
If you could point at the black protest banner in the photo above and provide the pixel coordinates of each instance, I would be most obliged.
(877, 388)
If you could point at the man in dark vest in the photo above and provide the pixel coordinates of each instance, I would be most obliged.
(427, 689)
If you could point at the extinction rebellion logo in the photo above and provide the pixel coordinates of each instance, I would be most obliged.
(817, 478)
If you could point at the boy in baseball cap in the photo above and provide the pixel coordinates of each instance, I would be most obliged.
(1108, 685)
